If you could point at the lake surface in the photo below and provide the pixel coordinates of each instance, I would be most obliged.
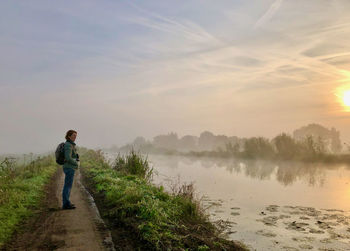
(268, 205)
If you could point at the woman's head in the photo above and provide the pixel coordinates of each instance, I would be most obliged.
(71, 135)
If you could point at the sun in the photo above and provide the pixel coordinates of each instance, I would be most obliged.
(346, 98)
(343, 95)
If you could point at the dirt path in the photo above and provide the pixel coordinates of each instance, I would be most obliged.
(56, 229)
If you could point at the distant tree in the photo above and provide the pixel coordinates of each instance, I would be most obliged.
(220, 142)
(320, 145)
(139, 141)
(169, 141)
(330, 138)
(206, 141)
(286, 147)
(188, 143)
(336, 145)
(308, 147)
(142, 145)
(258, 147)
(311, 148)
(233, 149)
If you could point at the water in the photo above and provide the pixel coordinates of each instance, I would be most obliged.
(268, 205)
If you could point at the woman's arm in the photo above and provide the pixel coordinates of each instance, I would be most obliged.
(68, 154)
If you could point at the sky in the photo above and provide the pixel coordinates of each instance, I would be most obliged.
(114, 70)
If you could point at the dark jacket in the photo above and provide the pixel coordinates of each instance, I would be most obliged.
(70, 155)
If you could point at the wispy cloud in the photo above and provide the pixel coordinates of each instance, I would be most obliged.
(269, 13)
(184, 67)
(184, 28)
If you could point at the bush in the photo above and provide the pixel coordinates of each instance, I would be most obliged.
(134, 164)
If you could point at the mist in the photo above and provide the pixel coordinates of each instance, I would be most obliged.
(201, 125)
(117, 70)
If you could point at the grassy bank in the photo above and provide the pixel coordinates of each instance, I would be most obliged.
(21, 188)
(156, 219)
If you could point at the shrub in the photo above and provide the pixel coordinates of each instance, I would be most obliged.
(134, 164)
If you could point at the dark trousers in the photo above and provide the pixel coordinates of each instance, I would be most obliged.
(68, 182)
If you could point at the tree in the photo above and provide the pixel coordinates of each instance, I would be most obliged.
(188, 143)
(233, 149)
(206, 140)
(139, 141)
(330, 138)
(286, 147)
(258, 147)
(169, 141)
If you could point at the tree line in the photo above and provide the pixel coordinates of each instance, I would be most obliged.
(306, 143)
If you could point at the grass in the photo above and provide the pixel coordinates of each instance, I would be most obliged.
(133, 164)
(21, 189)
(160, 220)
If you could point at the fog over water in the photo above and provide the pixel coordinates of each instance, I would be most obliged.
(321, 185)
(267, 205)
(262, 199)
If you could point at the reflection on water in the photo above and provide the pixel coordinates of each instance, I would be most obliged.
(285, 172)
(269, 205)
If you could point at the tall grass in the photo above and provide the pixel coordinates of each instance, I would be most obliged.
(133, 164)
(164, 221)
(21, 188)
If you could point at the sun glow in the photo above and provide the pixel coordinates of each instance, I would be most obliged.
(343, 91)
(346, 98)
(343, 94)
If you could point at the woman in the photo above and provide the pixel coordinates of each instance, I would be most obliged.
(71, 163)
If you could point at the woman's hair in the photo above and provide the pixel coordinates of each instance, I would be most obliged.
(70, 133)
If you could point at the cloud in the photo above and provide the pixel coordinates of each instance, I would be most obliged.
(184, 28)
(327, 49)
(167, 68)
(342, 60)
(269, 13)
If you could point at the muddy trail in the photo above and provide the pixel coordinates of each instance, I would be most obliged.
(52, 228)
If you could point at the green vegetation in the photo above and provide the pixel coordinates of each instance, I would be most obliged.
(160, 220)
(133, 164)
(21, 188)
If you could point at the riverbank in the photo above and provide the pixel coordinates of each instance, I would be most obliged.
(139, 214)
(149, 217)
